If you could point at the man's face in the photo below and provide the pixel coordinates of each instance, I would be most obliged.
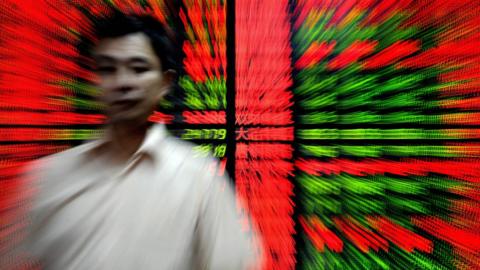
(130, 77)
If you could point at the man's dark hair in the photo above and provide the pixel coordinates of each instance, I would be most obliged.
(118, 24)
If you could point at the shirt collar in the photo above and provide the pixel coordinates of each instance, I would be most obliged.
(150, 145)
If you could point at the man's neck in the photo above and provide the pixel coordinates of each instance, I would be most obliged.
(125, 139)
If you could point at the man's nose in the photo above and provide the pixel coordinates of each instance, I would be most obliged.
(124, 81)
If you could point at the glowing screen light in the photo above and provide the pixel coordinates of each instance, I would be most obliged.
(388, 157)
(264, 125)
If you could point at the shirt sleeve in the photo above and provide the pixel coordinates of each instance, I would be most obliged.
(220, 241)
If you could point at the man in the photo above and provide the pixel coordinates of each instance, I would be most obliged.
(137, 198)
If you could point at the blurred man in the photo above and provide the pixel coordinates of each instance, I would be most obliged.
(137, 198)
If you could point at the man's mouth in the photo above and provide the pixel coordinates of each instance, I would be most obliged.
(124, 103)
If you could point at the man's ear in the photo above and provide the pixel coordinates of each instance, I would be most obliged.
(169, 77)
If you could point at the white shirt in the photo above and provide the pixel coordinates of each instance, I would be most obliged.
(164, 210)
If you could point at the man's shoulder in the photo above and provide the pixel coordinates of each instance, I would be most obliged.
(69, 157)
(184, 150)
(186, 153)
(54, 165)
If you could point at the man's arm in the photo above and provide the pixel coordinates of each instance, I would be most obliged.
(221, 243)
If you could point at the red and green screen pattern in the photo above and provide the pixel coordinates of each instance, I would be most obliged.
(350, 128)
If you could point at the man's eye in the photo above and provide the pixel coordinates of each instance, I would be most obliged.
(105, 69)
(141, 69)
